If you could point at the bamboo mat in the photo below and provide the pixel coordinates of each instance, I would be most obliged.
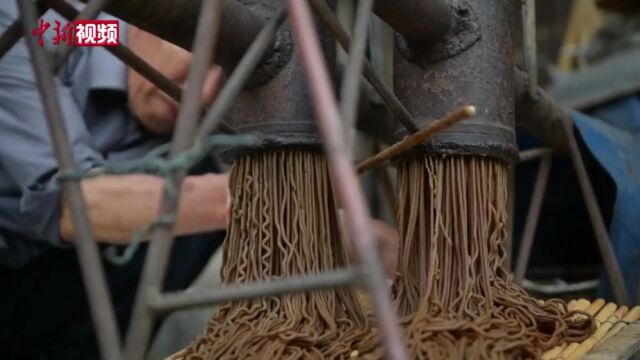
(610, 320)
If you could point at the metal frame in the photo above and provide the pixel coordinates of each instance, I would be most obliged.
(150, 301)
(555, 120)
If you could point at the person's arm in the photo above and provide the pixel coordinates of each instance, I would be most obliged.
(121, 205)
(31, 200)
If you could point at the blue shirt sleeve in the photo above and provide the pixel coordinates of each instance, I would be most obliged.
(26, 154)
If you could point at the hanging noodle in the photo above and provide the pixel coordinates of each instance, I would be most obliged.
(451, 286)
(284, 223)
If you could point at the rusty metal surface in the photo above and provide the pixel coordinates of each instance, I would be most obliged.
(279, 113)
(422, 23)
(481, 75)
(399, 112)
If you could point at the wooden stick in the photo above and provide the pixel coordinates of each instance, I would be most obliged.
(417, 138)
(604, 314)
(595, 306)
(588, 344)
(569, 350)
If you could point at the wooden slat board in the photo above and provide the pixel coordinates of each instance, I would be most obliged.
(617, 335)
(619, 347)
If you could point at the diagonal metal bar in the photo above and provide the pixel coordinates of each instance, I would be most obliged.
(602, 236)
(528, 9)
(90, 11)
(316, 282)
(13, 33)
(154, 269)
(343, 176)
(10, 37)
(528, 235)
(124, 54)
(92, 271)
(350, 90)
(400, 113)
(532, 154)
(239, 77)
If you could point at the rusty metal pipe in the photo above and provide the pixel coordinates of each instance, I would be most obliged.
(421, 22)
(175, 21)
(481, 74)
(539, 115)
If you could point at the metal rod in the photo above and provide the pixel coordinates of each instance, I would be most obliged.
(532, 154)
(154, 269)
(350, 90)
(239, 77)
(542, 178)
(326, 280)
(127, 56)
(90, 11)
(399, 112)
(602, 236)
(343, 176)
(538, 114)
(511, 210)
(416, 139)
(529, 41)
(92, 272)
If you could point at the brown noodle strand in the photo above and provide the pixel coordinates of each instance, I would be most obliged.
(452, 288)
(284, 223)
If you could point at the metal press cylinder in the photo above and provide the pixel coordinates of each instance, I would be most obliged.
(472, 65)
(279, 112)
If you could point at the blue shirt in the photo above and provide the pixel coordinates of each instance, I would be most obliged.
(91, 88)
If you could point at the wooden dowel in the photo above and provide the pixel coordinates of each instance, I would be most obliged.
(568, 350)
(604, 314)
(417, 138)
(595, 306)
(588, 344)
